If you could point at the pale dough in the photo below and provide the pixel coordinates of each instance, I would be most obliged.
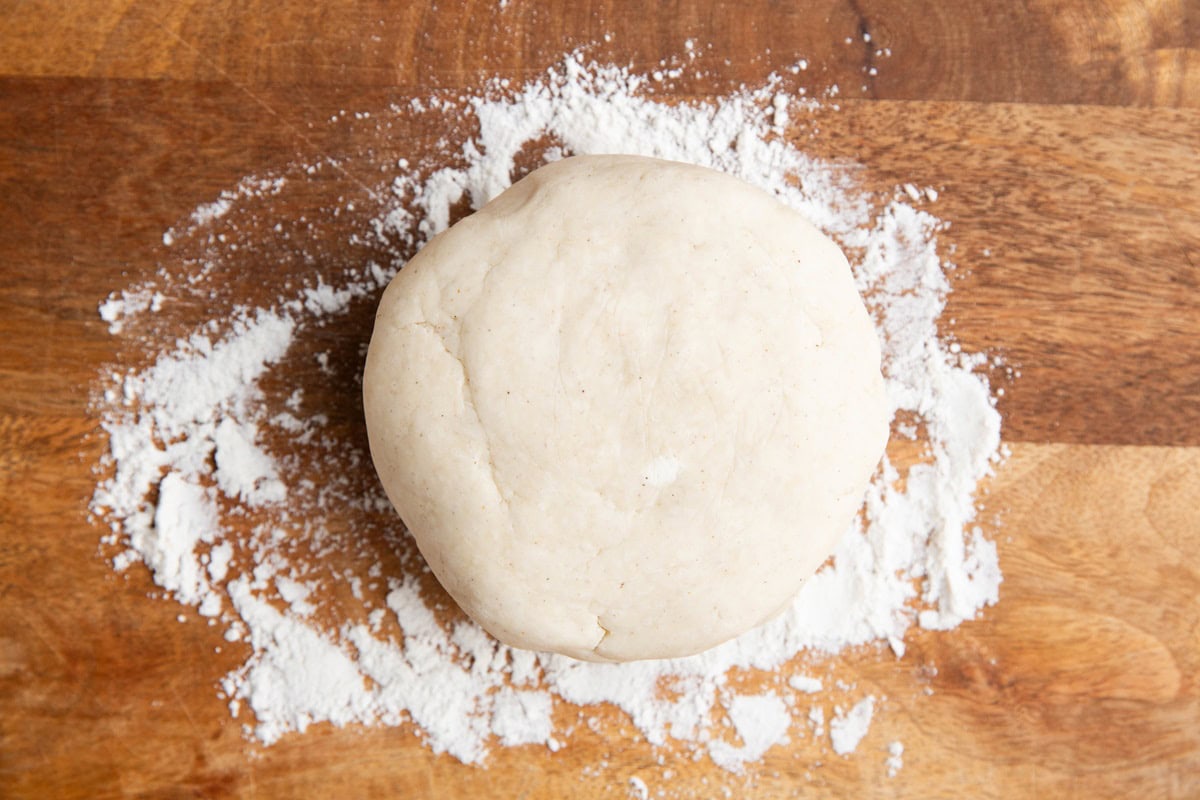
(626, 408)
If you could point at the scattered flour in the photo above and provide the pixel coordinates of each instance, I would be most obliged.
(803, 683)
(816, 720)
(761, 721)
(846, 730)
(522, 717)
(208, 213)
(895, 759)
(236, 492)
(130, 302)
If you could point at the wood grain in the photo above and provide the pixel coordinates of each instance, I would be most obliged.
(1112, 52)
(1082, 682)
(1076, 229)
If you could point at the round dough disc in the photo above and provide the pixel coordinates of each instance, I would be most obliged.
(626, 408)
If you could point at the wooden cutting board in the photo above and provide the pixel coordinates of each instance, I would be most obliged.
(1063, 138)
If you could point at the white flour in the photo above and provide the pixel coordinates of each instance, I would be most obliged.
(236, 493)
(760, 722)
(895, 759)
(847, 729)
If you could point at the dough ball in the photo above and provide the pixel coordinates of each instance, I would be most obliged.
(626, 408)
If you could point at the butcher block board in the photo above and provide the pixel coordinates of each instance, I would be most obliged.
(1064, 140)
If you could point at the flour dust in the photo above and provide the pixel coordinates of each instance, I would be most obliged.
(238, 475)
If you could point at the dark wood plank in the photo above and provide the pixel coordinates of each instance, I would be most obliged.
(1077, 238)
(1076, 230)
(1112, 52)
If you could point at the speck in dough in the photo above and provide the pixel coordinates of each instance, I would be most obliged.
(626, 408)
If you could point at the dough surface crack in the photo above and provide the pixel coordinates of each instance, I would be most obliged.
(468, 395)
